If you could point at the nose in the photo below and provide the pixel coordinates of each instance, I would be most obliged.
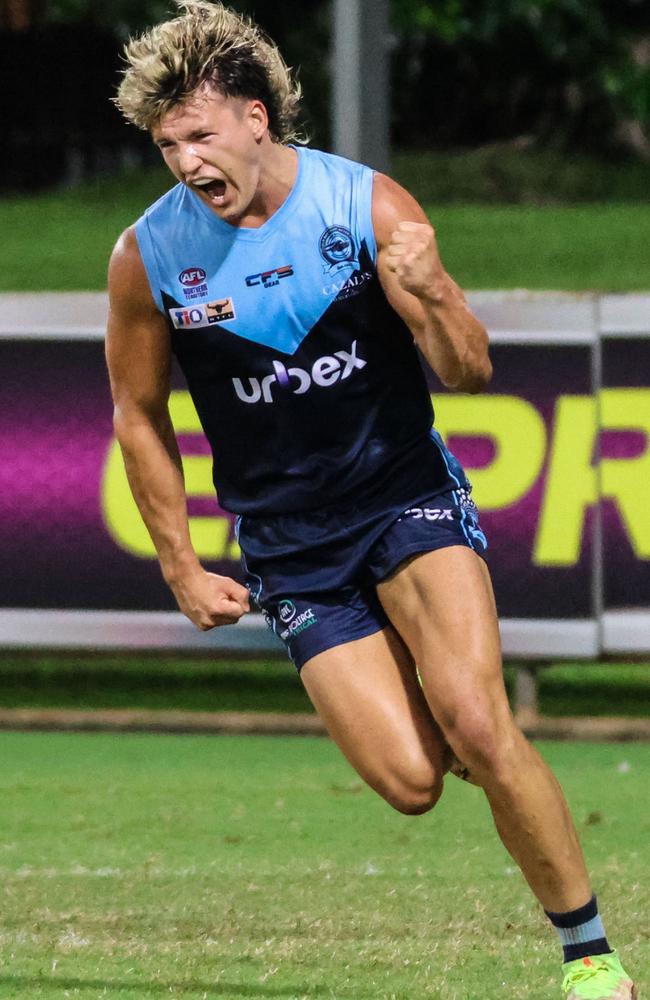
(188, 159)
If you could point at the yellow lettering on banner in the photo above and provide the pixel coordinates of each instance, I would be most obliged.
(627, 480)
(121, 515)
(519, 436)
(210, 535)
(571, 483)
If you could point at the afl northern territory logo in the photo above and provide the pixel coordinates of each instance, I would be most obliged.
(192, 276)
(337, 248)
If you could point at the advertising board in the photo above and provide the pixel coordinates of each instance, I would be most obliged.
(569, 534)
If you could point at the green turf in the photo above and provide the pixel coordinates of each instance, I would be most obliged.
(516, 173)
(204, 685)
(62, 240)
(159, 682)
(140, 867)
(620, 689)
(571, 248)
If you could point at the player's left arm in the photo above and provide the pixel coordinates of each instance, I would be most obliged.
(419, 289)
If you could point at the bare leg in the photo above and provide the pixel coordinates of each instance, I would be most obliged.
(369, 698)
(442, 605)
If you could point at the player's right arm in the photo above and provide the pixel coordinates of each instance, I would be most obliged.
(139, 359)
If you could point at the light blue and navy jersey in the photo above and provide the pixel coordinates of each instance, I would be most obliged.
(306, 381)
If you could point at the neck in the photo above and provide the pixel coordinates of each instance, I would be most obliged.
(277, 177)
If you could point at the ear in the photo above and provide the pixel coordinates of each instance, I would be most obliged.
(258, 119)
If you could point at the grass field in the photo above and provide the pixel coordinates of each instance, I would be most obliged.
(519, 173)
(222, 685)
(62, 240)
(144, 867)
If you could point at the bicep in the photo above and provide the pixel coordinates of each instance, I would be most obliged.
(138, 350)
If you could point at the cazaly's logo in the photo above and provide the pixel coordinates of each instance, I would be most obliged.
(326, 371)
(346, 288)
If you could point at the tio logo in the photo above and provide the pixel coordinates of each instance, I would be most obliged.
(191, 317)
(324, 372)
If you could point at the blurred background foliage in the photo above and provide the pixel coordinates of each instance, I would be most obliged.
(510, 80)
(569, 73)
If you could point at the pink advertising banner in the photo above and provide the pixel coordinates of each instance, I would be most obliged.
(558, 467)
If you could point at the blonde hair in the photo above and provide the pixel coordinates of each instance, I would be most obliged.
(207, 43)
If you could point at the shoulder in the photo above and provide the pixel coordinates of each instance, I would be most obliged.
(392, 204)
(126, 249)
(337, 168)
(137, 335)
(128, 284)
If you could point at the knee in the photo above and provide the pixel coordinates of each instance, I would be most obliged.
(415, 793)
(489, 744)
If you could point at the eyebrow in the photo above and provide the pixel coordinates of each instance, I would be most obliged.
(194, 134)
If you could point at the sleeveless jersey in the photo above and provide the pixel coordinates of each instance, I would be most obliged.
(307, 383)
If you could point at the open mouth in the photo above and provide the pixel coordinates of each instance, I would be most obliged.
(214, 189)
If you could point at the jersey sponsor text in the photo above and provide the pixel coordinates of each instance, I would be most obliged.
(325, 371)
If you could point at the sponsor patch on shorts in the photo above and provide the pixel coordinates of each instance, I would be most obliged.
(288, 622)
(428, 513)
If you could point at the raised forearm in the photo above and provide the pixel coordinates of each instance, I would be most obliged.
(453, 341)
(155, 473)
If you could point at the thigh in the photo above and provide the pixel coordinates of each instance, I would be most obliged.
(443, 607)
(368, 695)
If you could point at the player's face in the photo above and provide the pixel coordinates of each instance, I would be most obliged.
(213, 144)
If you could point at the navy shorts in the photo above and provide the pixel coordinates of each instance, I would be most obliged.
(315, 574)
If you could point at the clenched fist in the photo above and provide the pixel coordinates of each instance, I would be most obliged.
(209, 600)
(412, 255)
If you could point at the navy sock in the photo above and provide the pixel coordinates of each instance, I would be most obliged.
(580, 931)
